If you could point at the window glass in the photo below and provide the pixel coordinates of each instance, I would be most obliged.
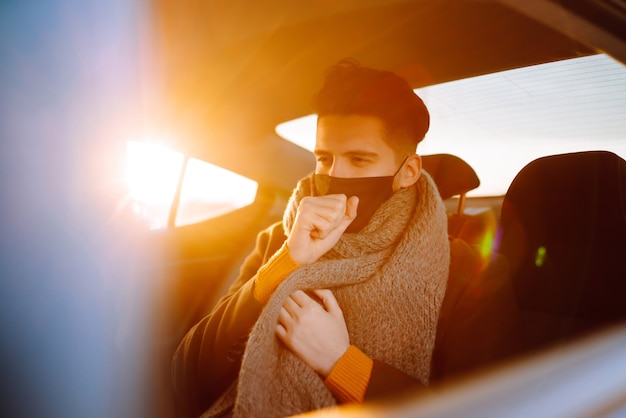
(153, 173)
(209, 191)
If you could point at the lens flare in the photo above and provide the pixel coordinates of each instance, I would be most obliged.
(540, 257)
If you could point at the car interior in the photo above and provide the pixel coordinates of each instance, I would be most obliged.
(535, 325)
(558, 230)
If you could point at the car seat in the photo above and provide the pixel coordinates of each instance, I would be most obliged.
(455, 177)
(564, 234)
(452, 175)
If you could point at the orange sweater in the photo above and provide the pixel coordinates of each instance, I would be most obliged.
(349, 378)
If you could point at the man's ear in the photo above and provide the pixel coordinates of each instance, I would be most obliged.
(411, 171)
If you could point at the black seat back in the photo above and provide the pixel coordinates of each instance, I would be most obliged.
(564, 234)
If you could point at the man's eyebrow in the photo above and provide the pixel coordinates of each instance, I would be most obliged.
(318, 151)
(361, 153)
(351, 153)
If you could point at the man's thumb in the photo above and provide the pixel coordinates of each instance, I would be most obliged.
(351, 207)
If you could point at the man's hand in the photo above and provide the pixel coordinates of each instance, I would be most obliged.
(320, 222)
(316, 333)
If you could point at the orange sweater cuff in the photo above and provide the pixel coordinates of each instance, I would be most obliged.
(272, 273)
(349, 379)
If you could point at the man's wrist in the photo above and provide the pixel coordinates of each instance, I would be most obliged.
(272, 273)
(296, 256)
(349, 378)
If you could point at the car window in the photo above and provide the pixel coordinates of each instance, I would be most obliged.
(209, 191)
(153, 173)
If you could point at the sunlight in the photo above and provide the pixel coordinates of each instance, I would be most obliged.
(152, 172)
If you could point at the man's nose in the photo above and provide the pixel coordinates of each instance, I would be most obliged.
(338, 169)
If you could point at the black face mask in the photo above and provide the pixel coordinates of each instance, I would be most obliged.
(371, 191)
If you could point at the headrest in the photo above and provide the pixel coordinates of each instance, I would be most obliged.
(452, 175)
(564, 233)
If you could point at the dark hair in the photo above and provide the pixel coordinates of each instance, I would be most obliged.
(350, 89)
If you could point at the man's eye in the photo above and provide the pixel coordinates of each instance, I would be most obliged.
(323, 160)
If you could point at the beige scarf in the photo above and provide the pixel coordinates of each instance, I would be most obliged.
(389, 280)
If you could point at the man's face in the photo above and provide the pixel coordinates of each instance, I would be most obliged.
(353, 146)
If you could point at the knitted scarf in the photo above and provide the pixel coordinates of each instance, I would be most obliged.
(389, 279)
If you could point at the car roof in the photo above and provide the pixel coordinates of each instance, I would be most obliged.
(234, 70)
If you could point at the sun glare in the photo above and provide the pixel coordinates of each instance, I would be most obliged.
(152, 172)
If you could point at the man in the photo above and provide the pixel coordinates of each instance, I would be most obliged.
(340, 302)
